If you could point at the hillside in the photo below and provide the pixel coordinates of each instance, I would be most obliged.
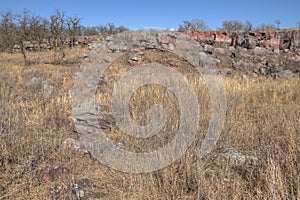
(256, 157)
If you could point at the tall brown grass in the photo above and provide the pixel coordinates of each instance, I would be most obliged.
(263, 120)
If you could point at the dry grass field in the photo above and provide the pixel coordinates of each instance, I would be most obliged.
(262, 121)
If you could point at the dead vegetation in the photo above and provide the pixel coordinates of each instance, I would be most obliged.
(263, 120)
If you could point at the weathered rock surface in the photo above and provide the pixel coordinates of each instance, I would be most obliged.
(271, 40)
(268, 53)
(91, 122)
(114, 47)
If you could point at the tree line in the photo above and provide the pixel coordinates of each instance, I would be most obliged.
(228, 25)
(56, 31)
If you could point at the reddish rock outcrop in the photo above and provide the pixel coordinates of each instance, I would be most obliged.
(270, 53)
(275, 40)
(211, 37)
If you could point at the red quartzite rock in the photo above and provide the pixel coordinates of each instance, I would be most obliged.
(274, 40)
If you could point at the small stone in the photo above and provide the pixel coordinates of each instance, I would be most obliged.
(256, 70)
(18, 99)
(225, 71)
(81, 193)
(140, 53)
(109, 38)
(284, 73)
(135, 58)
(108, 59)
(235, 158)
(277, 51)
(49, 88)
(208, 48)
(254, 75)
(74, 144)
(92, 46)
(207, 61)
(35, 83)
(171, 46)
(83, 55)
(260, 51)
(262, 71)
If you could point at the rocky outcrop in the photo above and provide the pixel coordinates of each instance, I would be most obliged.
(276, 41)
(270, 53)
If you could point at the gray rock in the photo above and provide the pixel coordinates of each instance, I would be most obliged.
(256, 70)
(108, 59)
(135, 58)
(284, 73)
(276, 50)
(209, 48)
(236, 158)
(225, 71)
(262, 71)
(18, 99)
(260, 51)
(83, 55)
(35, 84)
(92, 46)
(254, 75)
(109, 38)
(207, 61)
(49, 88)
(244, 66)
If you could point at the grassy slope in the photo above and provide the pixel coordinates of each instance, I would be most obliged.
(263, 119)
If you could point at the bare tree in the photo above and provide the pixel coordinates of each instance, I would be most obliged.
(232, 25)
(73, 24)
(110, 29)
(23, 32)
(121, 28)
(193, 25)
(248, 26)
(57, 28)
(277, 22)
(57, 32)
(7, 31)
(264, 27)
(90, 31)
(38, 30)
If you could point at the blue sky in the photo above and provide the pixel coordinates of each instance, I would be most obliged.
(165, 13)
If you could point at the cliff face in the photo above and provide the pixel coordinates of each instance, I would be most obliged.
(273, 53)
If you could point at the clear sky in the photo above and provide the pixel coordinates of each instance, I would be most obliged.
(165, 13)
